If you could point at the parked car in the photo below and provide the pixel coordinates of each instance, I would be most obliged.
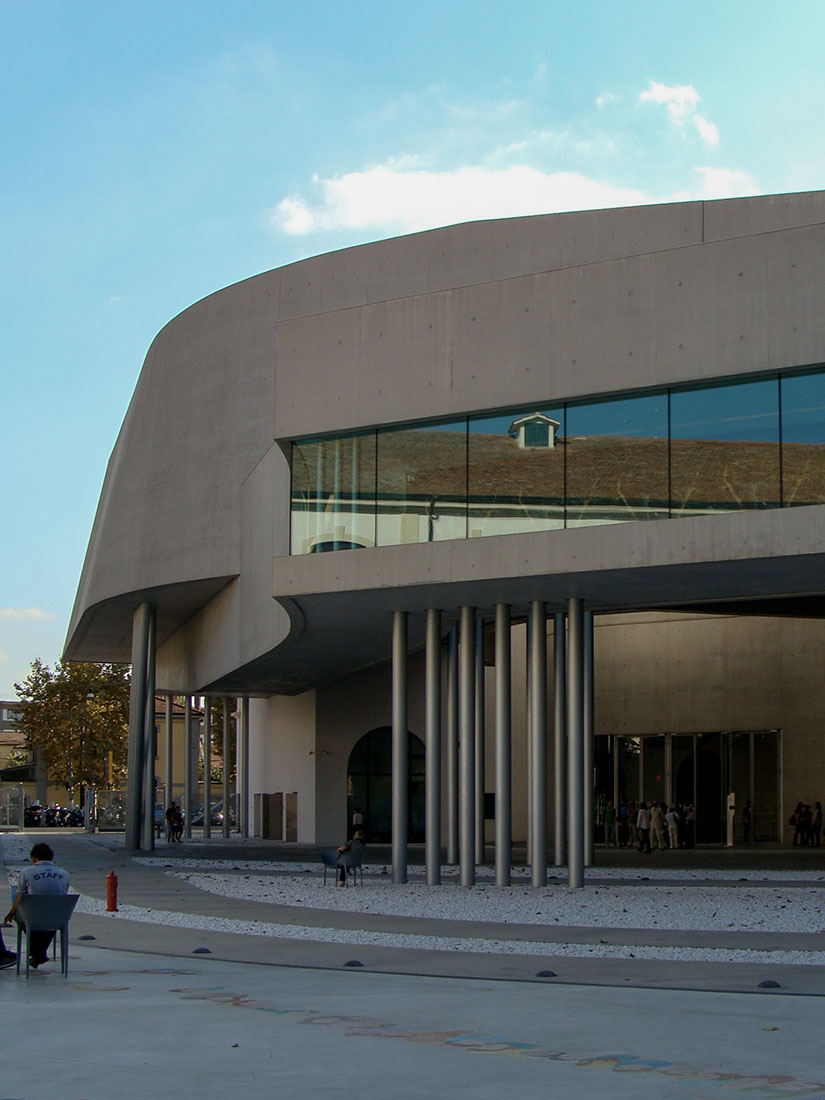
(215, 815)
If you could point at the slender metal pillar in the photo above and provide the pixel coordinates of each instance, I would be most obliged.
(479, 732)
(207, 768)
(452, 746)
(225, 769)
(136, 764)
(466, 736)
(538, 711)
(529, 742)
(560, 739)
(400, 748)
(189, 766)
(167, 750)
(589, 739)
(149, 743)
(575, 743)
(336, 488)
(236, 799)
(433, 755)
(319, 490)
(504, 795)
(244, 792)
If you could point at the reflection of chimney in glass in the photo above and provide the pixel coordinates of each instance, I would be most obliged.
(534, 431)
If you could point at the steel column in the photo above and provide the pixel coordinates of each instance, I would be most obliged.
(244, 799)
(188, 763)
(589, 739)
(504, 795)
(559, 739)
(452, 746)
(479, 732)
(225, 769)
(149, 742)
(137, 714)
(575, 743)
(167, 749)
(319, 489)
(400, 748)
(207, 768)
(528, 744)
(466, 735)
(433, 754)
(538, 723)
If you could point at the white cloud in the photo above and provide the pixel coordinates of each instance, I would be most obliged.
(725, 183)
(681, 101)
(383, 196)
(605, 98)
(26, 614)
(708, 131)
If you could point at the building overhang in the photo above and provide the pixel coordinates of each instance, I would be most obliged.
(770, 562)
(104, 632)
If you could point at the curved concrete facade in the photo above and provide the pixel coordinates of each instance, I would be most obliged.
(195, 510)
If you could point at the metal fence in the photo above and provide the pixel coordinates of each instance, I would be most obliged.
(12, 805)
(110, 809)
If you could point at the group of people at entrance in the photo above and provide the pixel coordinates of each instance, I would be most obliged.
(651, 828)
(807, 825)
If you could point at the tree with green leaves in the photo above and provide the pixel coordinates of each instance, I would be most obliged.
(76, 717)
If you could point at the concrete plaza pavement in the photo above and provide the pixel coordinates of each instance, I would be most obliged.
(141, 1013)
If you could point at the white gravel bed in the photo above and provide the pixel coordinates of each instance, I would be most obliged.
(555, 874)
(683, 908)
(450, 943)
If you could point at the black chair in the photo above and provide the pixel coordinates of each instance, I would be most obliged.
(329, 858)
(45, 913)
(352, 862)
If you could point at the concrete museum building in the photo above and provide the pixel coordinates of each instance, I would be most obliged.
(487, 525)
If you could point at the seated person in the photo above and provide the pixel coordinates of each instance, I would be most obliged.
(355, 845)
(7, 958)
(41, 878)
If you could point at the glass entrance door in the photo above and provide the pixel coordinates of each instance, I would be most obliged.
(698, 769)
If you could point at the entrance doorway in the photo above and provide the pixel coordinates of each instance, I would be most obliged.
(369, 785)
(699, 769)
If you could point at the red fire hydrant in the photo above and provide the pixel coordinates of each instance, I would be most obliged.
(111, 892)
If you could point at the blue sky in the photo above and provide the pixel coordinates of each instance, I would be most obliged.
(154, 152)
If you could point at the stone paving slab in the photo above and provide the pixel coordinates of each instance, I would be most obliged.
(133, 1025)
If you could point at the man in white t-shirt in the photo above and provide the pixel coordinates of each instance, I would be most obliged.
(672, 822)
(43, 877)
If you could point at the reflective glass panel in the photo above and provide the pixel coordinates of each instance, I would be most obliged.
(422, 483)
(682, 757)
(515, 473)
(333, 494)
(803, 439)
(766, 792)
(629, 755)
(724, 451)
(653, 769)
(617, 458)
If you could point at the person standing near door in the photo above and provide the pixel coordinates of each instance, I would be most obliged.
(643, 828)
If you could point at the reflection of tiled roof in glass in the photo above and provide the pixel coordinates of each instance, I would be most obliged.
(611, 462)
(435, 463)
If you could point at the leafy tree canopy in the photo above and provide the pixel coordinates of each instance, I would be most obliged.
(74, 717)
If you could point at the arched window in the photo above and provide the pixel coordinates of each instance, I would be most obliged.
(369, 785)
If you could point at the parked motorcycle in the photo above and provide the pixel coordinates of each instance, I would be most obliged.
(53, 816)
(33, 816)
(73, 817)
